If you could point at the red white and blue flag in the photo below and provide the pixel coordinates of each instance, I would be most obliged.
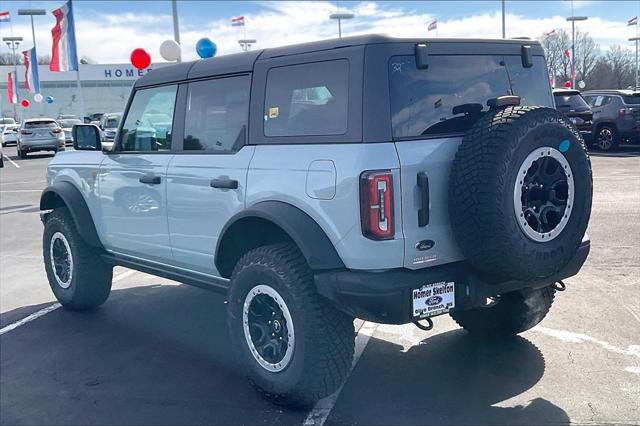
(433, 25)
(31, 79)
(64, 55)
(551, 33)
(571, 67)
(632, 21)
(5, 17)
(12, 89)
(237, 22)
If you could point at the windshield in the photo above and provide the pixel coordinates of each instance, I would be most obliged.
(70, 123)
(46, 124)
(572, 101)
(7, 121)
(112, 122)
(452, 93)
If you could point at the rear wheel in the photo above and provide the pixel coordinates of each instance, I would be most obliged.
(512, 313)
(606, 138)
(21, 153)
(293, 345)
(78, 276)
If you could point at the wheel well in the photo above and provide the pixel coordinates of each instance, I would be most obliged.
(51, 200)
(607, 124)
(244, 235)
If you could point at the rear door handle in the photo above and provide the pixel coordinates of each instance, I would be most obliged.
(423, 212)
(224, 183)
(150, 179)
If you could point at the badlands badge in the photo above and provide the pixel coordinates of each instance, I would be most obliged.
(433, 299)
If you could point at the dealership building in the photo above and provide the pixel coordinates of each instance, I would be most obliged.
(104, 88)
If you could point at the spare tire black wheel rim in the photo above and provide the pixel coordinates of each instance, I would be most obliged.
(543, 194)
(605, 139)
(268, 328)
(61, 259)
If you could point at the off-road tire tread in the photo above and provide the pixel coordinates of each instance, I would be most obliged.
(515, 312)
(93, 276)
(329, 331)
(474, 196)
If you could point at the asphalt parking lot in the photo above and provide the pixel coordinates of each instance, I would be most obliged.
(158, 352)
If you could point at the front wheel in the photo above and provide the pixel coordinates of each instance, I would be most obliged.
(606, 139)
(513, 313)
(292, 344)
(78, 276)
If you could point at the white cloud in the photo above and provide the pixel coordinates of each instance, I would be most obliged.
(110, 38)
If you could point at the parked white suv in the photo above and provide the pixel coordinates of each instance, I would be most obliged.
(387, 179)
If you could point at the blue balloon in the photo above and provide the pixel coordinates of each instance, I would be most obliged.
(206, 48)
(49, 99)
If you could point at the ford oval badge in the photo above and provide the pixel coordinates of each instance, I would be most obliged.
(433, 300)
(425, 245)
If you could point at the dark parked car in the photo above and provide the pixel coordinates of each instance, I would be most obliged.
(616, 117)
(572, 104)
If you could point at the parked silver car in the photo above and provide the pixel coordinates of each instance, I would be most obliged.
(40, 134)
(108, 127)
(67, 127)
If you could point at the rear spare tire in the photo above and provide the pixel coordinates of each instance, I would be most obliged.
(520, 193)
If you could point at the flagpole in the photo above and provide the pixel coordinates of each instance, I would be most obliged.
(78, 85)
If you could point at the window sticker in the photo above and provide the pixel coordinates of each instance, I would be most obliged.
(274, 112)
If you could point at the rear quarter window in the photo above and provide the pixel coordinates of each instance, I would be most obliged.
(307, 99)
(452, 93)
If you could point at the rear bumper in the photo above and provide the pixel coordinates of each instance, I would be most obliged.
(42, 145)
(385, 296)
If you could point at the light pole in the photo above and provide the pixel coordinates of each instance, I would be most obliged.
(340, 17)
(31, 13)
(636, 39)
(176, 27)
(573, 20)
(504, 29)
(13, 43)
(245, 43)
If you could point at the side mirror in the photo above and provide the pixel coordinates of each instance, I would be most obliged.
(86, 137)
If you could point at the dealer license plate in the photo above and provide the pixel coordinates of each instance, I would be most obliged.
(574, 120)
(433, 299)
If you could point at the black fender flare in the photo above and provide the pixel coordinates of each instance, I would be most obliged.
(310, 238)
(66, 194)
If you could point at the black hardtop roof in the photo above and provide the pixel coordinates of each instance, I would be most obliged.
(560, 91)
(243, 62)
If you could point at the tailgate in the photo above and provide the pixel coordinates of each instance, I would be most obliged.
(429, 240)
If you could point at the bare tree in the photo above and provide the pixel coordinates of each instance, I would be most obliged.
(587, 53)
(621, 64)
(554, 47)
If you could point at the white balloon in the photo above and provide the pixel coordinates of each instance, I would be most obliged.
(37, 97)
(170, 50)
(582, 84)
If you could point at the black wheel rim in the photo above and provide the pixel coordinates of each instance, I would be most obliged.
(268, 328)
(605, 139)
(545, 192)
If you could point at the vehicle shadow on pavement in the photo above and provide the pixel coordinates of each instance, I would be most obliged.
(450, 378)
(151, 355)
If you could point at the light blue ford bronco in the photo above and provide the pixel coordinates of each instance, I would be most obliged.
(391, 180)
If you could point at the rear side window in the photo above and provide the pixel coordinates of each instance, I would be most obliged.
(569, 101)
(307, 100)
(149, 120)
(632, 100)
(217, 112)
(452, 93)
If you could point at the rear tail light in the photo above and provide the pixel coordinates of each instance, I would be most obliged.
(376, 204)
(25, 132)
(625, 111)
(58, 130)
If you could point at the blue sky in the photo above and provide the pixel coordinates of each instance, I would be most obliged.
(107, 31)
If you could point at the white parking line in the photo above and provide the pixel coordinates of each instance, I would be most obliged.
(35, 315)
(320, 412)
(11, 161)
(51, 308)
